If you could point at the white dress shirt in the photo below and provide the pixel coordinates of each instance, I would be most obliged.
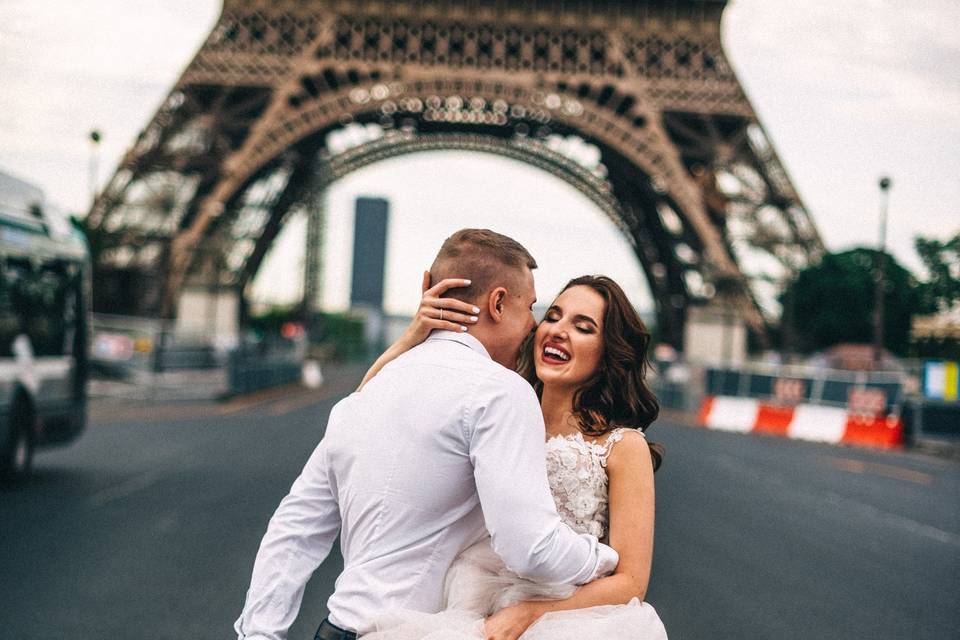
(439, 448)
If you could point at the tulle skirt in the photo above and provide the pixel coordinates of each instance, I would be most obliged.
(478, 585)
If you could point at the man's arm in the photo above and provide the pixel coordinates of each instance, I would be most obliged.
(299, 537)
(632, 508)
(509, 462)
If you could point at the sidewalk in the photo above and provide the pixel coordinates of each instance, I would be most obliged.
(942, 448)
(187, 386)
(169, 386)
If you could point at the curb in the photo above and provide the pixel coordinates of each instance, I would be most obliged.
(800, 422)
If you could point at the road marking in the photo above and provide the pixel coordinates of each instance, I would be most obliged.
(276, 401)
(908, 524)
(254, 399)
(188, 411)
(283, 407)
(815, 500)
(237, 405)
(851, 465)
(124, 489)
(288, 405)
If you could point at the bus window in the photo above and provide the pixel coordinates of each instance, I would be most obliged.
(47, 324)
(71, 307)
(12, 275)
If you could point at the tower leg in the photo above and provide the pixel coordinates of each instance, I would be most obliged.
(313, 255)
(210, 316)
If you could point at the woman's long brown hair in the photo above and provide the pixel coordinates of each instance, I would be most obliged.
(617, 395)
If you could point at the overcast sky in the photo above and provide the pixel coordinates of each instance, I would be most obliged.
(848, 92)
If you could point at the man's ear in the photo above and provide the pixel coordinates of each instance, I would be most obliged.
(495, 302)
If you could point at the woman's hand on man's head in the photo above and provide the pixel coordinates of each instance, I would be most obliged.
(436, 312)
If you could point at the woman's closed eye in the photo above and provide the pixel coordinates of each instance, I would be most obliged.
(581, 326)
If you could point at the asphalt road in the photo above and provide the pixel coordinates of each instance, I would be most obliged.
(148, 526)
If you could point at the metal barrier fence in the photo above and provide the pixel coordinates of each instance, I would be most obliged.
(254, 369)
(931, 420)
(138, 349)
(809, 385)
(129, 345)
(677, 385)
(681, 385)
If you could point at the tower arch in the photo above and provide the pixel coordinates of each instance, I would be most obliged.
(645, 83)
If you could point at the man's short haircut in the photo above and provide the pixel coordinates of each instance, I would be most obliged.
(487, 258)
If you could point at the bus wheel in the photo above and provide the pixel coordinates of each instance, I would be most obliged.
(16, 457)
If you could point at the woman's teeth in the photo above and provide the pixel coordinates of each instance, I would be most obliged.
(556, 353)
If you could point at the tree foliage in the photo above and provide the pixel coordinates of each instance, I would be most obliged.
(833, 301)
(941, 290)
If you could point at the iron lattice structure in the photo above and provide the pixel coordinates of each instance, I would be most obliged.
(685, 169)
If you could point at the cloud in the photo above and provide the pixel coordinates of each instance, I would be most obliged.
(848, 90)
(874, 59)
(853, 90)
(102, 39)
(68, 67)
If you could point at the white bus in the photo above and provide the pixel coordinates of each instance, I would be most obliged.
(44, 292)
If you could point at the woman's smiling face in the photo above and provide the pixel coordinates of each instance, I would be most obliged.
(568, 344)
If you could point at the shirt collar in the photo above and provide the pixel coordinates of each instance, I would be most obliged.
(461, 337)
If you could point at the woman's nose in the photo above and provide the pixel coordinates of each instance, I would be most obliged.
(557, 332)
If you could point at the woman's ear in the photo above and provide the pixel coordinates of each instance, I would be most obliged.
(495, 303)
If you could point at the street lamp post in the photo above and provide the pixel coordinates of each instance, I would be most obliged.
(93, 168)
(880, 274)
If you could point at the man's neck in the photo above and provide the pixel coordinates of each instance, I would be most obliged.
(487, 336)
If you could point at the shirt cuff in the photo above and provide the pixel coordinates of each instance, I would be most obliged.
(607, 561)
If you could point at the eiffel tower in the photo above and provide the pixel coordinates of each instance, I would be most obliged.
(685, 170)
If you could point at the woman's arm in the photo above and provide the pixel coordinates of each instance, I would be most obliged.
(630, 472)
(456, 316)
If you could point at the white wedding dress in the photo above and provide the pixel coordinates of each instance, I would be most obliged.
(478, 584)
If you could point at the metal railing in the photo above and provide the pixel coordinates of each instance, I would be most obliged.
(681, 385)
(256, 367)
(821, 386)
(140, 349)
(130, 345)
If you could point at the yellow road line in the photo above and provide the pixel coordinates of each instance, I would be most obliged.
(149, 414)
(258, 398)
(887, 470)
(276, 401)
(283, 407)
(288, 405)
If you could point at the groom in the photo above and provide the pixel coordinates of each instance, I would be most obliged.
(445, 444)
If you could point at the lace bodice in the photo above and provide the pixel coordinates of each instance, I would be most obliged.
(577, 472)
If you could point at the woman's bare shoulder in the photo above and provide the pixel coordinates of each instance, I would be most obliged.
(627, 447)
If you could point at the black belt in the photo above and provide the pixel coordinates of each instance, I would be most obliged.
(330, 631)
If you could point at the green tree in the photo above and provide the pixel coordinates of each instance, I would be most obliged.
(941, 291)
(833, 301)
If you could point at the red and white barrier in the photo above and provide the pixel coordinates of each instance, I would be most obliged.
(801, 422)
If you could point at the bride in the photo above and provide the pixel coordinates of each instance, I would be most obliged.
(587, 362)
